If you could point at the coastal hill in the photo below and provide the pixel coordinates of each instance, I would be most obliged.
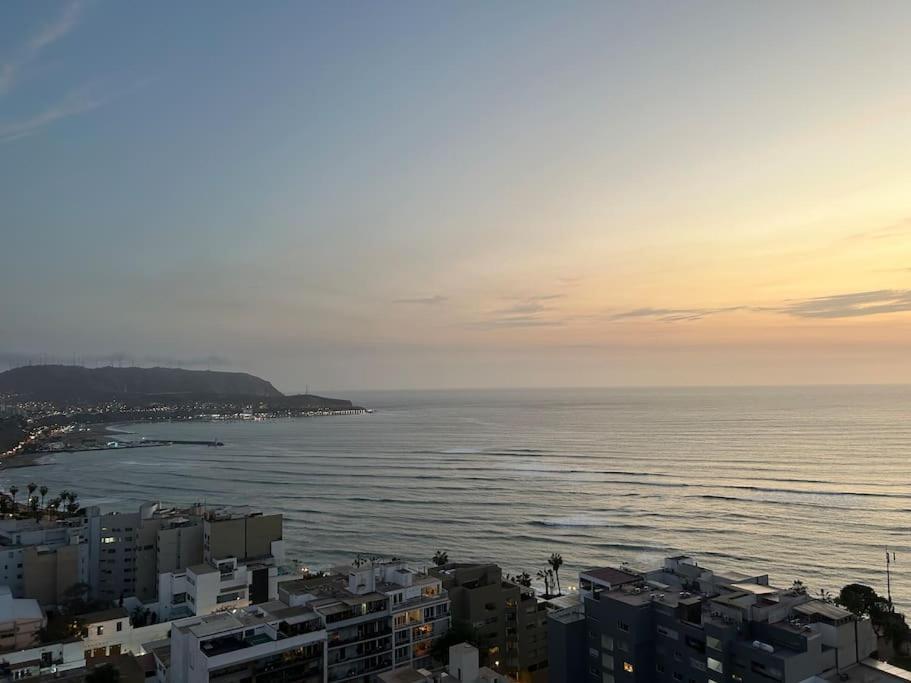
(77, 385)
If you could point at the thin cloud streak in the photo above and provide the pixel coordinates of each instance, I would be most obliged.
(424, 301)
(849, 305)
(894, 231)
(674, 314)
(73, 105)
(50, 34)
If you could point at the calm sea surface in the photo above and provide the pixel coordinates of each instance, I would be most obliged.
(808, 483)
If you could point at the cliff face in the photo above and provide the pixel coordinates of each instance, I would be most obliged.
(75, 384)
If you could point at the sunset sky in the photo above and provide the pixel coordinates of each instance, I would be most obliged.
(430, 194)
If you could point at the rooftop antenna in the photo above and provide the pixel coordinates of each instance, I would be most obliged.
(889, 561)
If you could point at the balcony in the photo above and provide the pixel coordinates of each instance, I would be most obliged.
(359, 637)
(360, 669)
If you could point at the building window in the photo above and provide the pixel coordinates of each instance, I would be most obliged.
(678, 676)
(713, 642)
(607, 643)
(715, 665)
(628, 667)
(659, 667)
(607, 662)
(119, 625)
(667, 632)
(99, 631)
(623, 626)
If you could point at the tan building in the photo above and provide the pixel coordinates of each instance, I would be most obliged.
(511, 623)
(21, 621)
(42, 559)
(51, 572)
(246, 536)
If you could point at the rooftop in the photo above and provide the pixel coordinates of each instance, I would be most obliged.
(105, 615)
(819, 608)
(611, 575)
(200, 569)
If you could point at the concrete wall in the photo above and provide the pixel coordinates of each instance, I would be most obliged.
(179, 548)
(261, 531)
(224, 538)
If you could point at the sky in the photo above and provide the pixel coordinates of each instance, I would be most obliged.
(353, 195)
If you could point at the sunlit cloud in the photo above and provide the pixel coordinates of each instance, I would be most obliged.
(851, 305)
(674, 314)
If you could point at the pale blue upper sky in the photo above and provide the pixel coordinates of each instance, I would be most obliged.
(455, 193)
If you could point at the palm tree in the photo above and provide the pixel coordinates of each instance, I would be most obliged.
(73, 505)
(524, 579)
(545, 576)
(54, 504)
(556, 561)
(43, 492)
(31, 488)
(13, 490)
(65, 494)
(440, 557)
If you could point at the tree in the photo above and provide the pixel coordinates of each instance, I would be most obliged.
(524, 579)
(103, 674)
(544, 575)
(556, 561)
(31, 488)
(54, 504)
(43, 492)
(858, 599)
(13, 490)
(440, 558)
(74, 598)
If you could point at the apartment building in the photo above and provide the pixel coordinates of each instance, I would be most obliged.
(510, 621)
(378, 617)
(129, 551)
(271, 642)
(681, 623)
(21, 621)
(463, 667)
(42, 559)
(206, 588)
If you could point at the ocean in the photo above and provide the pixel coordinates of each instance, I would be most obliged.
(811, 483)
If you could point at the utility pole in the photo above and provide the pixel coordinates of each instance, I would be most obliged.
(889, 561)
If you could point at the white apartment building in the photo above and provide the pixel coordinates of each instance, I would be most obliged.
(206, 588)
(272, 641)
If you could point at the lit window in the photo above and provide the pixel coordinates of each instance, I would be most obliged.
(628, 668)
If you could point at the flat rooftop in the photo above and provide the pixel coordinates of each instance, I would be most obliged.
(105, 615)
(200, 569)
(611, 575)
(819, 608)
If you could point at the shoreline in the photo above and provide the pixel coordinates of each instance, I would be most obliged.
(102, 429)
